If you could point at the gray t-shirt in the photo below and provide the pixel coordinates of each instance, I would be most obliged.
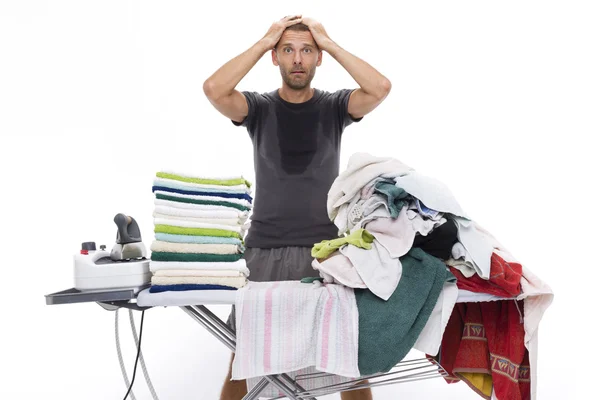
(296, 160)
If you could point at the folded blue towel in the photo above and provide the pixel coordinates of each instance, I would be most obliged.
(174, 238)
(244, 196)
(187, 286)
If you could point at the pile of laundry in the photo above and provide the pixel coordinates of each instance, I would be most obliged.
(409, 270)
(199, 223)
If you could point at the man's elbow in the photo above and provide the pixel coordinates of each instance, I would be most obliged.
(209, 89)
(385, 87)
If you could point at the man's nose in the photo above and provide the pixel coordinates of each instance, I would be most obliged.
(297, 58)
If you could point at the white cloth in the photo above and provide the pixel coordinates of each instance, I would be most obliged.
(241, 202)
(362, 168)
(221, 221)
(476, 244)
(207, 187)
(194, 212)
(192, 224)
(462, 260)
(239, 265)
(396, 235)
(178, 298)
(433, 193)
(230, 281)
(197, 272)
(355, 214)
(193, 206)
(430, 338)
(322, 333)
(380, 272)
(210, 248)
(337, 268)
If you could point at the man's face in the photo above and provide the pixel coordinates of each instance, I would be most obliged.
(297, 56)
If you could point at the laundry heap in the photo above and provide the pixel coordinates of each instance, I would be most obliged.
(407, 248)
(199, 224)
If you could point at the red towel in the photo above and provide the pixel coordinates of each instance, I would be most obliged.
(508, 356)
(505, 279)
(488, 338)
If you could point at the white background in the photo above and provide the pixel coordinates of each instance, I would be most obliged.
(499, 100)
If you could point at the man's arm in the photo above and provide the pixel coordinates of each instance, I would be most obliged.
(374, 87)
(219, 88)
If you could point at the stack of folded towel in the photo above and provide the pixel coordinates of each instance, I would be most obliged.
(199, 224)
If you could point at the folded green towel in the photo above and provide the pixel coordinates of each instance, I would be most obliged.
(387, 330)
(206, 202)
(360, 238)
(194, 257)
(226, 182)
(180, 230)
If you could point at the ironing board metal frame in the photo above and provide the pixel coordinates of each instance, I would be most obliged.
(404, 371)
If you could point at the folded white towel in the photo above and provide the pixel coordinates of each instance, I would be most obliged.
(220, 221)
(200, 213)
(241, 202)
(197, 207)
(239, 265)
(191, 224)
(201, 186)
(171, 247)
(197, 272)
(236, 282)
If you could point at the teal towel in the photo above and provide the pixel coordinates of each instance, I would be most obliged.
(387, 330)
(396, 197)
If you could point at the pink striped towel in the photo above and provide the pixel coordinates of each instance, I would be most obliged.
(289, 325)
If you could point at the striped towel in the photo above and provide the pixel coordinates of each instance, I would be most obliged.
(200, 187)
(323, 332)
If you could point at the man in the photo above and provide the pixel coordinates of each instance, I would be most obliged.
(296, 134)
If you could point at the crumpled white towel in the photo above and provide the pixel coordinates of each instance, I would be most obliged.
(430, 338)
(337, 268)
(236, 282)
(239, 265)
(201, 213)
(380, 272)
(323, 331)
(362, 169)
(171, 247)
(191, 224)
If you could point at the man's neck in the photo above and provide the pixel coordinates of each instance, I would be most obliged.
(296, 96)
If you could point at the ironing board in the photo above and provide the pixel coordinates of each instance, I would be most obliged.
(194, 303)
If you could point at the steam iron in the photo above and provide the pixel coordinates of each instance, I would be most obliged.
(125, 266)
(129, 240)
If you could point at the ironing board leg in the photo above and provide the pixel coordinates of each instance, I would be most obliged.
(225, 334)
(255, 391)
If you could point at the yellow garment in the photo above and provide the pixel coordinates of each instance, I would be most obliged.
(481, 383)
(360, 238)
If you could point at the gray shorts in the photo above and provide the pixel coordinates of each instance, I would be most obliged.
(278, 264)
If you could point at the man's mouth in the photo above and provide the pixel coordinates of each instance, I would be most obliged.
(297, 72)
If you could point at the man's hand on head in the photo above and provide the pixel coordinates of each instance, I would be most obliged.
(272, 37)
(318, 33)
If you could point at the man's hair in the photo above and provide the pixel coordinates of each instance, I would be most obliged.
(296, 27)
